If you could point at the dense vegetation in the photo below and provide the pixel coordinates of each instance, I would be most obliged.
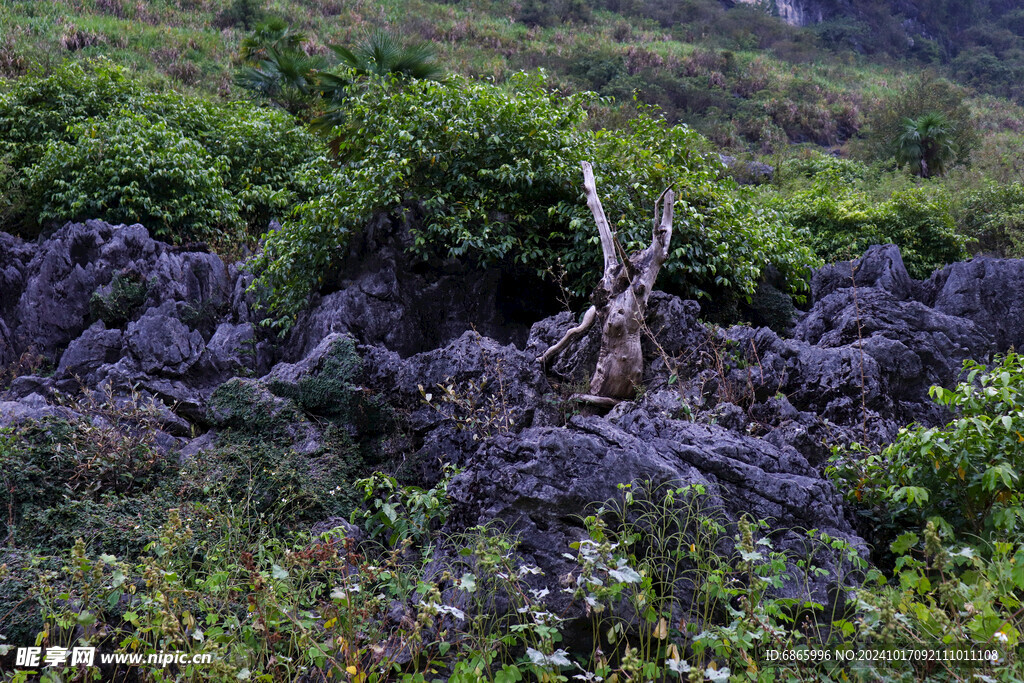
(139, 112)
(493, 174)
(86, 141)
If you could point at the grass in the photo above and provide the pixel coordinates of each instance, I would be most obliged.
(729, 86)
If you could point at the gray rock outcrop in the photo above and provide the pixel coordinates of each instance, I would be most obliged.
(745, 413)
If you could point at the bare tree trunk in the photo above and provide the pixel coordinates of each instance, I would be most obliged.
(620, 301)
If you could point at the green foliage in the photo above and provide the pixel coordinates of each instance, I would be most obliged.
(332, 390)
(926, 100)
(381, 54)
(212, 582)
(20, 621)
(492, 173)
(554, 12)
(278, 69)
(993, 218)
(128, 169)
(244, 13)
(119, 301)
(265, 457)
(87, 142)
(407, 515)
(270, 481)
(965, 476)
(270, 36)
(67, 479)
(961, 596)
(244, 405)
(667, 600)
(843, 221)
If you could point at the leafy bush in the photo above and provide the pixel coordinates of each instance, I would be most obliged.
(951, 593)
(127, 169)
(87, 142)
(492, 173)
(847, 171)
(993, 219)
(924, 95)
(270, 482)
(843, 222)
(71, 479)
(963, 477)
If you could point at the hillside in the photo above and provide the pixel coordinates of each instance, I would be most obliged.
(738, 75)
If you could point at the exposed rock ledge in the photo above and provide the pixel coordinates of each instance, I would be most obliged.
(742, 411)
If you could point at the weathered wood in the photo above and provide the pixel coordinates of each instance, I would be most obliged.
(588, 319)
(600, 401)
(620, 299)
(604, 230)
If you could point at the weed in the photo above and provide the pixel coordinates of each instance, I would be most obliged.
(120, 301)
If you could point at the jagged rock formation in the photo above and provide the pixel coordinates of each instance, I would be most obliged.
(387, 298)
(744, 412)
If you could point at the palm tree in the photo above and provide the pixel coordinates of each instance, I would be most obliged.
(277, 68)
(286, 78)
(382, 55)
(926, 145)
(272, 35)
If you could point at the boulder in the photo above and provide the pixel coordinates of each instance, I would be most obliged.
(986, 291)
(31, 407)
(234, 348)
(7, 353)
(64, 272)
(162, 344)
(540, 483)
(95, 347)
(881, 267)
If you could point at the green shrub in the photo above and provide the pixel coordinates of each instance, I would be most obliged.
(71, 479)
(35, 110)
(120, 301)
(936, 579)
(993, 219)
(494, 173)
(268, 481)
(87, 142)
(263, 151)
(20, 618)
(127, 169)
(844, 221)
(925, 94)
(964, 477)
(846, 171)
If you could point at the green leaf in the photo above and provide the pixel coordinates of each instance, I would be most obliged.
(904, 543)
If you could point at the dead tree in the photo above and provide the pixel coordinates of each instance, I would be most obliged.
(619, 302)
